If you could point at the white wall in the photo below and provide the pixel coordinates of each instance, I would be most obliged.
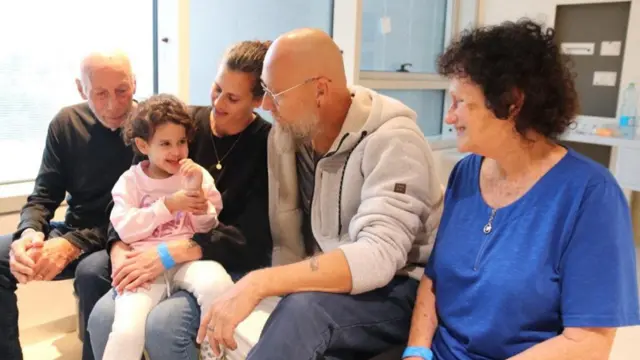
(493, 12)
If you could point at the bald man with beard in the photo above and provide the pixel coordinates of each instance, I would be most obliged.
(84, 156)
(354, 207)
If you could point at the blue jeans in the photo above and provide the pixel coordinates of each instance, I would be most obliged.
(303, 326)
(171, 327)
(316, 325)
(90, 283)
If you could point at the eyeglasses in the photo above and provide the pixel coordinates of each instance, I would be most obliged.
(274, 97)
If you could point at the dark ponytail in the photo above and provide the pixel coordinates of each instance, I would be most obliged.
(247, 57)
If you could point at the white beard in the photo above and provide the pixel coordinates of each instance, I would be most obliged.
(302, 131)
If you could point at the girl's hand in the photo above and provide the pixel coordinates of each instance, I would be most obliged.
(192, 201)
(192, 173)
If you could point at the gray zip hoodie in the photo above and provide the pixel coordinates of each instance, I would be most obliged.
(377, 196)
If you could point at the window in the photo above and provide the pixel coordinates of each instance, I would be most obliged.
(41, 59)
(402, 32)
(399, 46)
(427, 103)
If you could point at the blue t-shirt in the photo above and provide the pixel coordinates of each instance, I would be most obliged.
(560, 256)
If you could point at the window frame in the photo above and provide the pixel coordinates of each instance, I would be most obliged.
(460, 14)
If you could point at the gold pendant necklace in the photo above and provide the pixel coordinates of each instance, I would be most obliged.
(215, 151)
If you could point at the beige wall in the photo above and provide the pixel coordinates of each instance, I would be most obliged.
(44, 306)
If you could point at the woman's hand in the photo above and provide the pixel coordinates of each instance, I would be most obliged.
(138, 269)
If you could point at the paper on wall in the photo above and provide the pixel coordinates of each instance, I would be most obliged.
(610, 48)
(385, 25)
(605, 78)
(578, 48)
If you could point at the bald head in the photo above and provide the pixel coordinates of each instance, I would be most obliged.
(306, 53)
(107, 83)
(307, 86)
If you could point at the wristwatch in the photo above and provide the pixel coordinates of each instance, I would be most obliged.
(418, 351)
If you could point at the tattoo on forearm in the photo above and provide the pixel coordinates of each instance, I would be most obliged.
(313, 262)
(191, 244)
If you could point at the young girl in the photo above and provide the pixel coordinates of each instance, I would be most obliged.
(164, 198)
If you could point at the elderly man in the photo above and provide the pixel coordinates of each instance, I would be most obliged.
(84, 155)
(354, 206)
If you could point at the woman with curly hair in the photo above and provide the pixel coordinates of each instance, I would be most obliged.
(534, 257)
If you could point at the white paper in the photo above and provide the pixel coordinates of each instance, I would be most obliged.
(610, 48)
(385, 25)
(578, 48)
(605, 78)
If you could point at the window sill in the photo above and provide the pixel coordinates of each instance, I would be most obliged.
(14, 196)
(440, 142)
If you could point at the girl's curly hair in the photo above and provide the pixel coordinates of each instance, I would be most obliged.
(153, 112)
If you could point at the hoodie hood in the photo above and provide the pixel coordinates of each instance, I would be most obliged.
(369, 110)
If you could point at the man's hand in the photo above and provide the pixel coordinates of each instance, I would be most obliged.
(57, 253)
(23, 253)
(228, 310)
(138, 269)
(188, 201)
(192, 173)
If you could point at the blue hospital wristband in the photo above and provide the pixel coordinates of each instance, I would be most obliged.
(418, 351)
(165, 256)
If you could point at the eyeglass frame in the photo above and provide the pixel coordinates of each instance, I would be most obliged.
(274, 96)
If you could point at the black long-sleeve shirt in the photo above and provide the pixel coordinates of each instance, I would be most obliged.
(242, 241)
(83, 158)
